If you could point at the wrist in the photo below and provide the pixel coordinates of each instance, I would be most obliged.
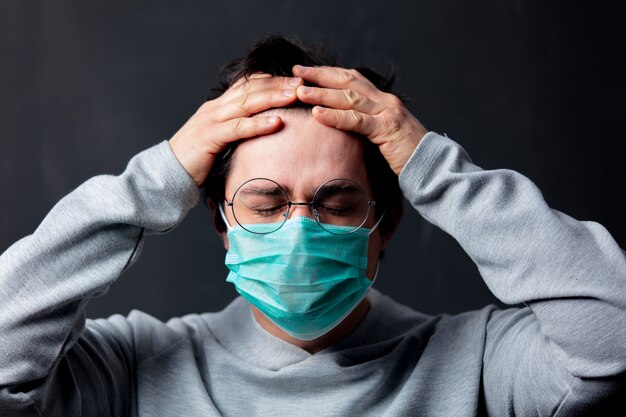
(189, 159)
(401, 151)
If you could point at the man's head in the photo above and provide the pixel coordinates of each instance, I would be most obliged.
(304, 153)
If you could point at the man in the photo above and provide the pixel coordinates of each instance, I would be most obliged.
(305, 217)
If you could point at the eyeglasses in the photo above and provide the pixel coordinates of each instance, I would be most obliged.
(339, 206)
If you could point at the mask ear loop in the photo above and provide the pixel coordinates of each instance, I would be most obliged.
(228, 226)
(369, 234)
(376, 224)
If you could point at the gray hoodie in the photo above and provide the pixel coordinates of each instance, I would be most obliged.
(560, 353)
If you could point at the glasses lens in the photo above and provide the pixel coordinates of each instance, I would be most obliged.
(341, 206)
(260, 205)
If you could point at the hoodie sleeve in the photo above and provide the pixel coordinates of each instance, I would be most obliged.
(50, 363)
(564, 350)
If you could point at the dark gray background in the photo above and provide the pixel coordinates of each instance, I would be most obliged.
(535, 86)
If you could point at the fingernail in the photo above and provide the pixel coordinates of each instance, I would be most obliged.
(289, 93)
(306, 90)
(300, 68)
(320, 109)
(272, 119)
(295, 82)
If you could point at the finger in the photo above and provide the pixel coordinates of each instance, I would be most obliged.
(245, 79)
(241, 128)
(241, 92)
(250, 103)
(262, 82)
(349, 120)
(335, 77)
(344, 99)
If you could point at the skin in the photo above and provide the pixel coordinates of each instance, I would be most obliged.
(301, 152)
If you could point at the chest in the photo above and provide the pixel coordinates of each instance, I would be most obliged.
(407, 379)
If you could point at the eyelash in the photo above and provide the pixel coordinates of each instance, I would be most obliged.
(268, 211)
(340, 211)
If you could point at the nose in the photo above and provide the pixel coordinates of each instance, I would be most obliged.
(300, 209)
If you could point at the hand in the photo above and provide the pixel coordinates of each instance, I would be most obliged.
(228, 118)
(351, 102)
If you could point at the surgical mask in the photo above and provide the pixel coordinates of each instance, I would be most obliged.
(301, 277)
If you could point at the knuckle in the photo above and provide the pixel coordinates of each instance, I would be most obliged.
(243, 101)
(241, 84)
(285, 82)
(208, 108)
(248, 83)
(239, 126)
(356, 117)
(205, 106)
(395, 101)
(352, 97)
(348, 77)
(235, 85)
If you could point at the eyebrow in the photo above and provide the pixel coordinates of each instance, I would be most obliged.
(335, 189)
(262, 191)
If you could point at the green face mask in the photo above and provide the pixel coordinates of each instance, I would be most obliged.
(303, 278)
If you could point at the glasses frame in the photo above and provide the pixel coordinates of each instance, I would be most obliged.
(314, 212)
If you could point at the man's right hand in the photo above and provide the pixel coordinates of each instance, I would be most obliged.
(229, 118)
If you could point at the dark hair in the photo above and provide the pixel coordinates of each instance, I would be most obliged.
(276, 55)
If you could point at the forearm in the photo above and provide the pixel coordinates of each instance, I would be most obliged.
(572, 274)
(86, 241)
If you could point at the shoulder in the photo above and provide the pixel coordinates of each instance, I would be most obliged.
(148, 336)
(391, 310)
(465, 330)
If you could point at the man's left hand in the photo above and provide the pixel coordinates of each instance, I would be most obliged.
(346, 100)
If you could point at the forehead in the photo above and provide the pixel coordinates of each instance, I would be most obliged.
(300, 157)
